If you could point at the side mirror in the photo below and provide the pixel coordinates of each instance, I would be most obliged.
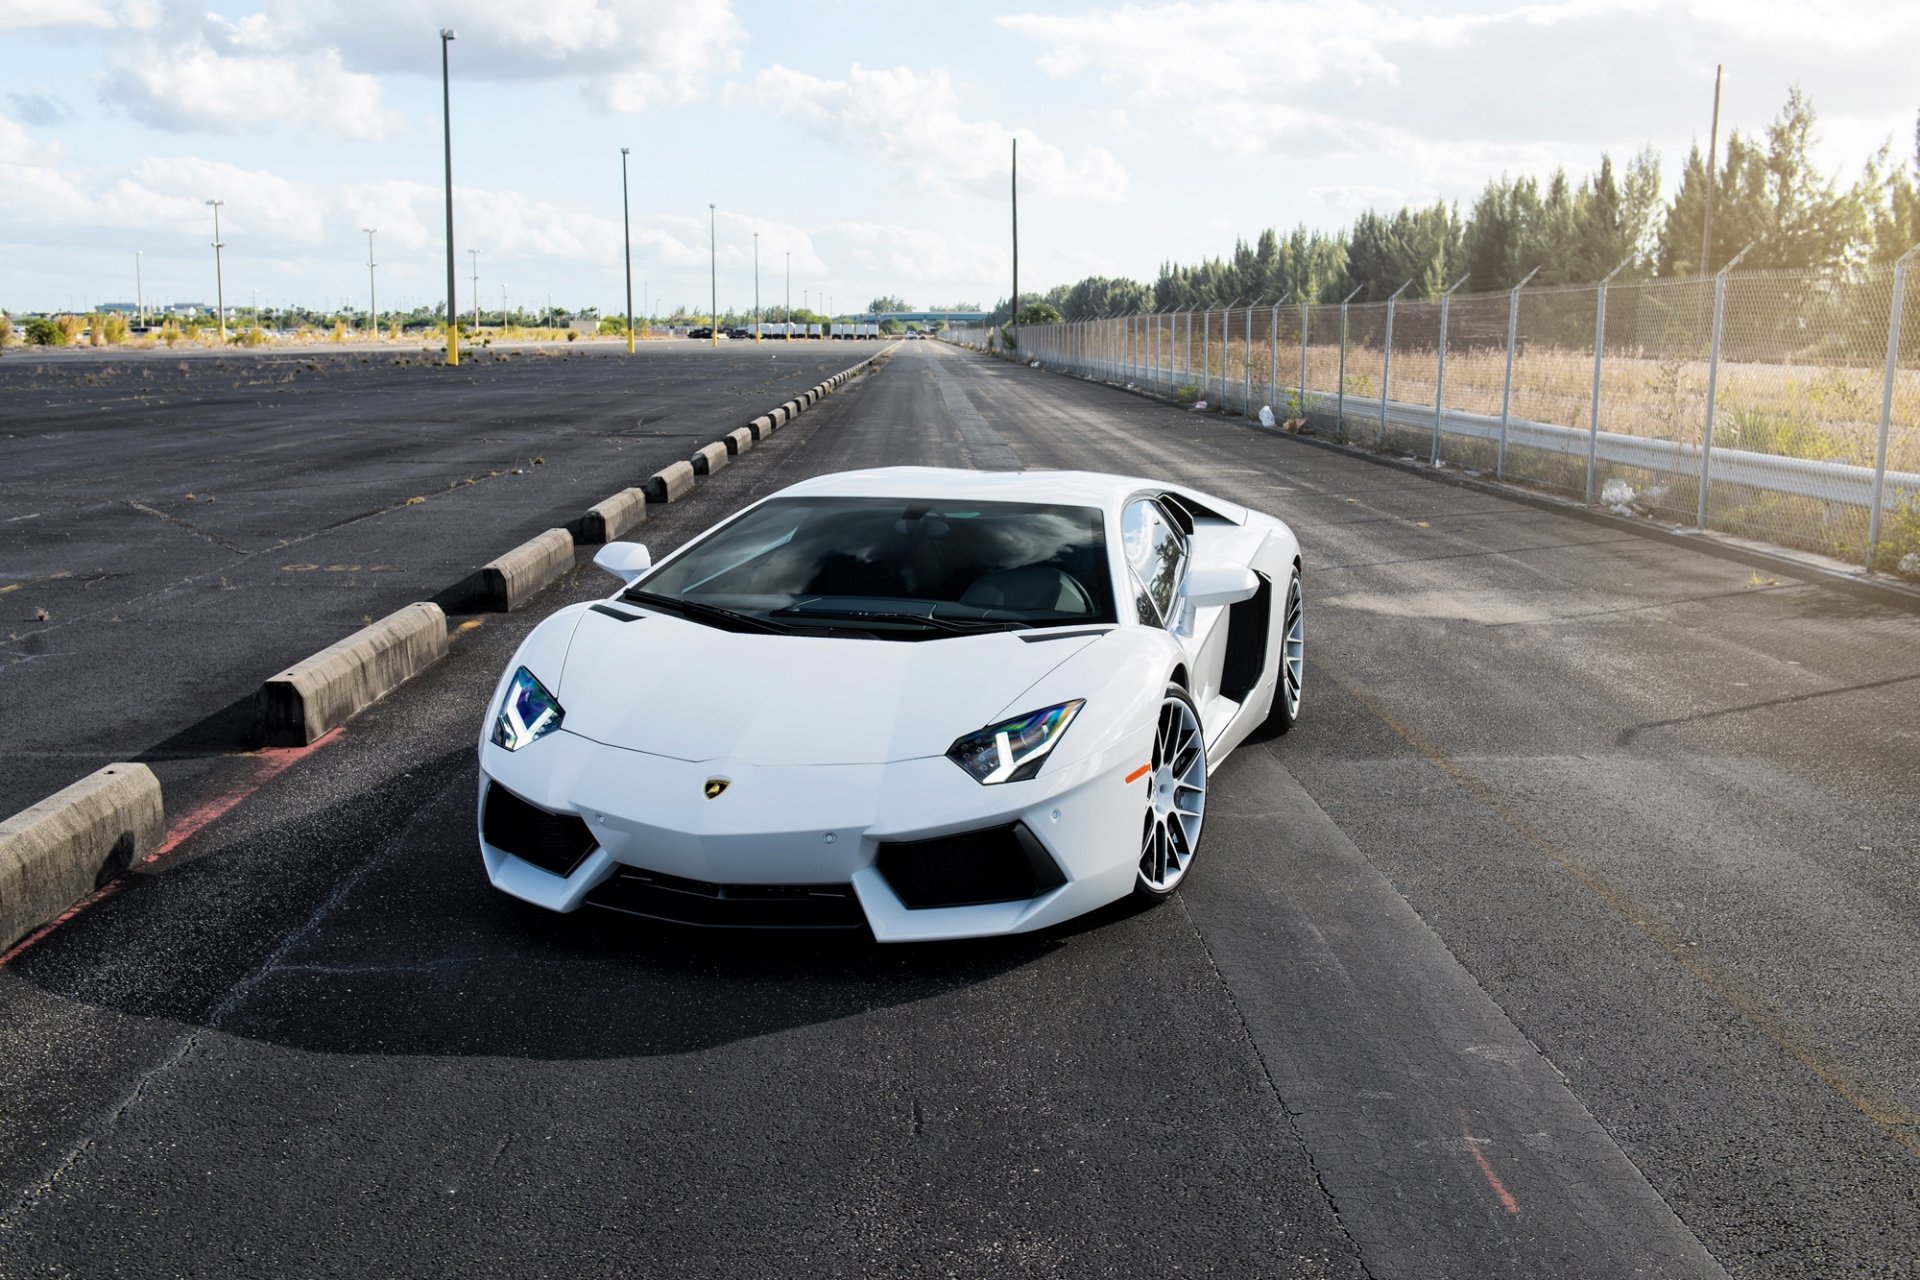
(624, 560)
(1217, 585)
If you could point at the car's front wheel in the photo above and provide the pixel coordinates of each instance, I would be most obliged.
(1176, 796)
(1291, 668)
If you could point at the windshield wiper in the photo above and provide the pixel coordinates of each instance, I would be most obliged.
(699, 611)
(953, 626)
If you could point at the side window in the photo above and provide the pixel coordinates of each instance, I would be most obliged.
(1156, 553)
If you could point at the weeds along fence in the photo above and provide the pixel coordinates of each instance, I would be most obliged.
(1781, 406)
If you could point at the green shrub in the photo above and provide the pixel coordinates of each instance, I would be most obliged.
(6, 329)
(112, 329)
(251, 336)
(170, 332)
(70, 328)
(613, 326)
(42, 332)
(1780, 434)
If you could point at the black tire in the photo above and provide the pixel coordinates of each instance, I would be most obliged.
(1170, 833)
(1290, 663)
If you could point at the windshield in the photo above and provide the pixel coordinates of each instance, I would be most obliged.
(892, 568)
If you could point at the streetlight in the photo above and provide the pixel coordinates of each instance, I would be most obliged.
(713, 273)
(219, 285)
(446, 111)
(756, 286)
(789, 330)
(474, 254)
(373, 299)
(139, 293)
(626, 225)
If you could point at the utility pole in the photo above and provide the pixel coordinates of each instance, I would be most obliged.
(713, 274)
(1713, 145)
(1013, 318)
(219, 285)
(756, 286)
(626, 224)
(373, 299)
(139, 291)
(789, 332)
(446, 111)
(474, 256)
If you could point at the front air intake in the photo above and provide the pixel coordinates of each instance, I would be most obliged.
(998, 864)
(556, 843)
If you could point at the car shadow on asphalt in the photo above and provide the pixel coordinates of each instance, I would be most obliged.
(372, 929)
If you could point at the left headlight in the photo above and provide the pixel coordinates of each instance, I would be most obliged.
(1013, 750)
(527, 714)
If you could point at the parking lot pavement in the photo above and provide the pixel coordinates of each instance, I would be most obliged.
(1544, 947)
(179, 528)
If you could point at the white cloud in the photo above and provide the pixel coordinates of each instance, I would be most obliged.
(193, 85)
(98, 15)
(630, 54)
(914, 122)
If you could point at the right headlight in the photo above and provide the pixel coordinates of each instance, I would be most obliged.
(1013, 750)
(527, 714)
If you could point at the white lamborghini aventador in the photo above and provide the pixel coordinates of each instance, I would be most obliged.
(933, 703)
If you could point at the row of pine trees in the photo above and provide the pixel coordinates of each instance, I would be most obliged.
(1767, 192)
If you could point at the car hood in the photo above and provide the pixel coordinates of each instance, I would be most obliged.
(675, 688)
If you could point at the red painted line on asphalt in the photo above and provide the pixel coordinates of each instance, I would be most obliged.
(273, 761)
(1486, 1168)
(1137, 774)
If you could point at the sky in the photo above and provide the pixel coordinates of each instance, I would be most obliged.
(867, 144)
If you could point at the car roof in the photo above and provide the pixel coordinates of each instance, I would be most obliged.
(1073, 488)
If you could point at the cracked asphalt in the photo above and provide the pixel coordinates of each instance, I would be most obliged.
(1571, 934)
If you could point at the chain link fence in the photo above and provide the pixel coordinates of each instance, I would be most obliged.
(1782, 406)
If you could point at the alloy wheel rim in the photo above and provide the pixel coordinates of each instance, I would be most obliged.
(1296, 655)
(1176, 797)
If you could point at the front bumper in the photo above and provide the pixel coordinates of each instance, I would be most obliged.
(816, 826)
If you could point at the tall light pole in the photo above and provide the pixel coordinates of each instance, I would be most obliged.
(219, 285)
(756, 286)
(713, 273)
(626, 225)
(789, 330)
(139, 292)
(373, 298)
(474, 256)
(1013, 316)
(446, 111)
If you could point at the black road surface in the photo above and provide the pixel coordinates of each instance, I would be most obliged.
(179, 528)
(1573, 933)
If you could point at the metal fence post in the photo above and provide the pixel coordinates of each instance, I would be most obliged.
(1300, 410)
(1206, 352)
(1599, 354)
(1506, 389)
(1386, 360)
(1440, 370)
(1273, 354)
(1189, 345)
(1246, 365)
(1713, 383)
(1340, 393)
(1886, 404)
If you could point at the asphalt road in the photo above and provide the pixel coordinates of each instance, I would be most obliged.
(194, 523)
(1572, 934)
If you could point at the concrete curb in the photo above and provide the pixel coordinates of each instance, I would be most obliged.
(709, 458)
(56, 852)
(739, 440)
(670, 483)
(605, 521)
(509, 581)
(762, 427)
(325, 691)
